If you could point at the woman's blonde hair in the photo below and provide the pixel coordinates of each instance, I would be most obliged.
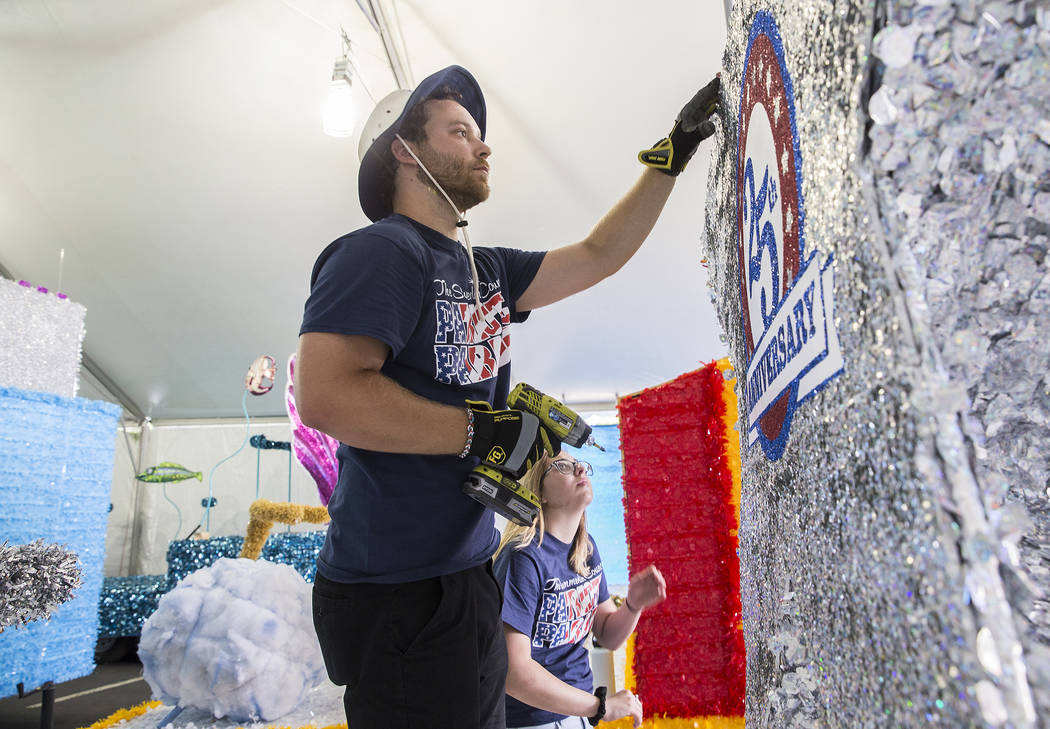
(520, 537)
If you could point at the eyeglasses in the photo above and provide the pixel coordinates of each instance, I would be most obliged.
(568, 466)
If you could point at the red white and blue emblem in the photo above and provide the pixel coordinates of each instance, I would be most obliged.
(792, 347)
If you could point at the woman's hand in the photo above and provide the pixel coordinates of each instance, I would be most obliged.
(613, 625)
(647, 588)
(621, 704)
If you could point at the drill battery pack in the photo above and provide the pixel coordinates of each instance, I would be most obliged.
(501, 493)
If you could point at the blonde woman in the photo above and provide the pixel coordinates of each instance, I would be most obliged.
(554, 597)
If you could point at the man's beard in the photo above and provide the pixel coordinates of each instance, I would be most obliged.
(460, 183)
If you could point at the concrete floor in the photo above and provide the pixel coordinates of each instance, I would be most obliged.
(119, 685)
(83, 701)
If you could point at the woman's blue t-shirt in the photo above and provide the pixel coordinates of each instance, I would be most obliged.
(545, 599)
(401, 517)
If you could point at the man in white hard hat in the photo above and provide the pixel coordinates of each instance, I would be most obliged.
(403, 354)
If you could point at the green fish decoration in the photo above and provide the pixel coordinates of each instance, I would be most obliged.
(168, 472)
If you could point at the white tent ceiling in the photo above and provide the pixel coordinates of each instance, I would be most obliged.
(173, 149)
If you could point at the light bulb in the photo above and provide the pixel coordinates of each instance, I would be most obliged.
(340, 113)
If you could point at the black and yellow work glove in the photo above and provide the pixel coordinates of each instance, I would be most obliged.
(510, 440)
(693, 125)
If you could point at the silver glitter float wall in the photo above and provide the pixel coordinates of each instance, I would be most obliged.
(877, 220)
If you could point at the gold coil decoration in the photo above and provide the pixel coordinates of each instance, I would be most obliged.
(262, 515)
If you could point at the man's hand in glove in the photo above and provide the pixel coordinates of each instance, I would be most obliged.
(692, 126)
(510, 440)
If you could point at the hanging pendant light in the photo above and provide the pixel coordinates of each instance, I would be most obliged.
(340, 112)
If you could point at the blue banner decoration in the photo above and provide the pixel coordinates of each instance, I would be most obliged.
(605, 514)
(55, 478)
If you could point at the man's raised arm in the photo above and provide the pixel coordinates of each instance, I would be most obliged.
(621, 231)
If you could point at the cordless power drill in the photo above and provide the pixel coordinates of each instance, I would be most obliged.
(498, 490)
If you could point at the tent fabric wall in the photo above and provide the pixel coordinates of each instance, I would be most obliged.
(144, 522)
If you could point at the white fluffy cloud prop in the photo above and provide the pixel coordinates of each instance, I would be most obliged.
(235, 639)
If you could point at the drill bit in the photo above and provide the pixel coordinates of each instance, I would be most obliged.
(592, 442)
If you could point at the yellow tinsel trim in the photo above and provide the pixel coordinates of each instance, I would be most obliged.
(123, 715)
(732, 434)
(668, 722)
(126, 714)
(629, 681)
(732, 441)
(262, 515)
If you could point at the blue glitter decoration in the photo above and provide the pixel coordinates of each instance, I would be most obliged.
(127, 602)
(260, 441)
(55, 479)
(298, 549)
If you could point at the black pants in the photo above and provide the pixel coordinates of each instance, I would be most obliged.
(419, 654)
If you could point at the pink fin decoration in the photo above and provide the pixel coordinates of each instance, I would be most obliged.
(314, 449)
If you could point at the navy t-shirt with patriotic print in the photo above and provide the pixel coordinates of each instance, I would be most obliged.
(545, 599)
(401, 517)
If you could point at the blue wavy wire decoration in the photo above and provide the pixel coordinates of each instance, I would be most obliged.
(247, 428)
(178, 511)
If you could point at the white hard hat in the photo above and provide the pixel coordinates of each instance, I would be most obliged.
(379, 130)
(387, 111)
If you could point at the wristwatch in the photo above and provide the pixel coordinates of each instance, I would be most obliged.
(600, 714)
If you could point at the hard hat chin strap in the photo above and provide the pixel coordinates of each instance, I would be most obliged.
(461, 223)
(459, 214)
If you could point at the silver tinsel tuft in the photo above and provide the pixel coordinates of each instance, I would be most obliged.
(892, 560)
(35, 578)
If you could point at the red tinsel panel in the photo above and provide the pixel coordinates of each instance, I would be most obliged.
(678, 487)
